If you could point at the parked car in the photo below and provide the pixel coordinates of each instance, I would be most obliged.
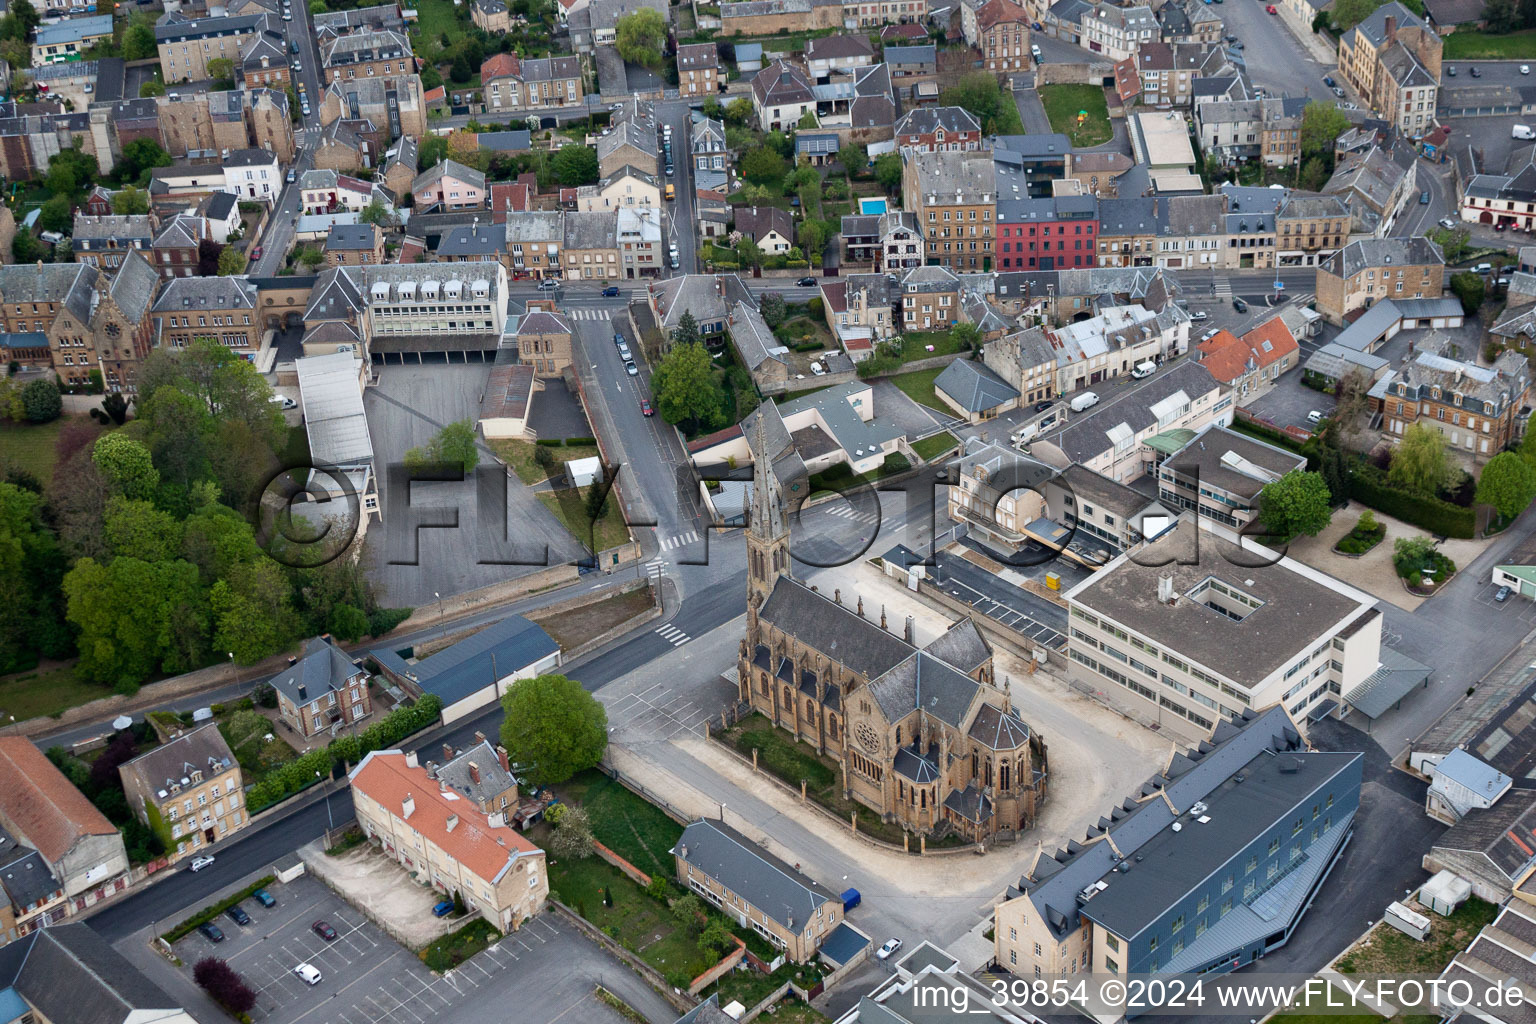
(1424, 198)
(264, 898)
(885, 951)
(631, 369)
(548, 284)
(1447, 222)
(645, 407)
(1329, 82)
(1271, 9)
(198, 863)
(443, 908)
(618, 339)
(323, 930)
(1483, 268)
(624, 353)
(1314, 416)
(806, 282)
(1239, 305)
(255, 253)
(1501, 595)
(1450, 69)
(211, 931)
(309, 973)
(1199, 315)
(610, 291)
(1338, 92)
(238, 915)
(1042, 406)
(1477, 72)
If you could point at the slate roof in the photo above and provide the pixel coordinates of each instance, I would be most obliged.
(1368, 253)
(465, 668)
(202, 749)
(133, 289)
(70, 284)
(480, 241)
(1110, 495)
(974, 386)
(837, 631)
(184, 293)
(775, 888)
(350, 238)
(494, 779)
(757, 221)
(838, 47)
(24, 874)
(433, 175)
(73, 976)
(780, 83)
(324, 667)
(926, 120)
(1504, 834)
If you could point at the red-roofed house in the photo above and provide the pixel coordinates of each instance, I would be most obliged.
(438, 835)
(509, 197)
(40, 808)
(1002, 36)
(1252, 362)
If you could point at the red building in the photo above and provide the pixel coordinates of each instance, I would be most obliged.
(1047, 234)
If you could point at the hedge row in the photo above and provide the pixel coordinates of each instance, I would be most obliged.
(567, 442)
(287, 779)
(1368, 485)
(209, 913)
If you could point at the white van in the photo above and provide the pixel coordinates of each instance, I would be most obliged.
(1086, 400)
(1144, 369)
(309, 972)
(1521, 131)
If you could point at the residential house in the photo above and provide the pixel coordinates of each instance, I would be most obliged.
(491, 16)
(911, 61)
(175, 248)
(68, 39)
(1025, 361)
(400, 168)
(450, 185)
(264, 63)
(781, 96)
(698, 69)
(859, 310)
(544, 339)
(222, 212)
(76, 845)
(1128, 232)
(900, 241)
(753, 887)
(954, 196)
(104, 241)
(624, 187)
(186, 46)
(472, 244)
(481, 774)
(933, 129)
(708, 297)
(1310, 229)
(253, 174)
(1219, 473)
(397, 105)
(322, 691)
(591, 247)
(1250, 363)
(759, 351)
(641, 251)
(1002, 36)
(1503, 200)
(711, 156)
(1252, 771)
(975, 391)
(771, 228)
(476, 671)
(1046, 234)
(354, 245)
(326, 191)
(453, 845)
(191, 787)
(223, 308)
(513, 83)
(533, 243)
(1377, 185)
(1192, 232)
(1116, 32)
(1369, 270)
(837, 54)
(1392, 58)
(1479, 409)
(930, 299)
(384, 54)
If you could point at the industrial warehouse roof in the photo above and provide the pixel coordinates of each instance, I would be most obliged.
(333, 409)
(497, 651)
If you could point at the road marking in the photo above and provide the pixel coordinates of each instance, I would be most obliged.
(679, 541)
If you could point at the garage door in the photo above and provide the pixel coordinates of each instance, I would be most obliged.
(1528, 589)
(1439, 321)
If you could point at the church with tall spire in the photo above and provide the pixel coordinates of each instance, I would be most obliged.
(925, 736)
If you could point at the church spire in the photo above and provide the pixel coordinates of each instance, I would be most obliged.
(768, 525)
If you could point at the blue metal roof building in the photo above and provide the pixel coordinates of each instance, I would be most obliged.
(478, 669)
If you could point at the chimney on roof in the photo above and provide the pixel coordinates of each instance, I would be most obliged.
(431, 769)
(474, 773)
(479, 736)
(1165, 594)
(1390, 27)
(501, 756)
(410, 759)
(447, 752)
(407, 807)
(303, 692)
(453, 822)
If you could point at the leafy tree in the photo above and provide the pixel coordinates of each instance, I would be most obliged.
(231, 262)
(685, 387)
(687, 909)
(780, 143)
(374, 213)
(129, 201)
(982, 94)
(553, 727)
(31, 570)
(572, 835)
(641, 37)
(116, 408)
(221, 68)
(252, 615)
(852, 157)
(41, 402)
(1470, 289)
(748, 254)
(687, 330)
(136, 529)
(57, 214)
(1313, 174)
(136, 617)
(771, 306)
(1321, 124)
(139, 39)
(1295, 504)
(126, 466)
(762, 166)
(966, 334)
(807, 120)
(596, 501)
(576, 165)
(348, 623)
(70, 171)
(1411, 555)
(1454, 243)
(888, 171)
(311, 257)
(24, 247)
(155, 87)
(24, 19)
(1508, 484)
(225, 986)
(813, 238)
(716, 936)
(1501, 15)
(454, 445)
(460, 71)
(739, 110)
(1420, 462)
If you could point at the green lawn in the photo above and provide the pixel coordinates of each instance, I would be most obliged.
(519, 455)
(918, 386)
(915, 345)
(1062, 104)
(932, 447)
(569, 506)
(457, 946)
(1307, 1013)
(50, 691)
(433, 18)
(257, 757)
(1389, 951)
(1465, 44)
(29, 446)
(627, 824)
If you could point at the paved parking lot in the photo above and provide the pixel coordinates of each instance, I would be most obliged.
(1288, 402)
(367, 978)
(1515, 606)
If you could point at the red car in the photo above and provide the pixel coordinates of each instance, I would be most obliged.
(324, 930)
(255, 253)
(1271, 9)
(645, 407)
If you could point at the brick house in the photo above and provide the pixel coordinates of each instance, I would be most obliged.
(191, 786)
(322, 689)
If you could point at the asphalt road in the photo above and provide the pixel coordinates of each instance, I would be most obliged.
(278, 238)
(1278, 64)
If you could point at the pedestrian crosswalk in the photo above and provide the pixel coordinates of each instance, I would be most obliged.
(1222, 286)
(681, 540)
(672, 635)
(849, 512)
(589, 314)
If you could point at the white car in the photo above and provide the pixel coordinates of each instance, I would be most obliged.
(1525, 69)
(1199, 314)
(198, 863)
(1314, 416)
(885, 951)
(309, 973)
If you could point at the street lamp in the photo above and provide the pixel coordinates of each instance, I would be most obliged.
(232, 673)
(439, 603)
(330, 821)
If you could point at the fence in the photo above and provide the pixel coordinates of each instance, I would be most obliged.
(720, 970)
(681, 1001)
(633, 873)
